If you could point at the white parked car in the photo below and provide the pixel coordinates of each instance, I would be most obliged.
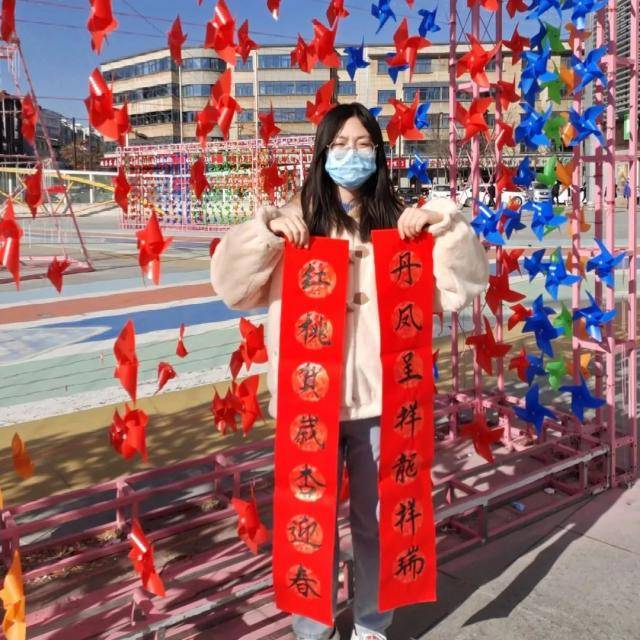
(439, 191)
(465, 196)
(540, 192)
(515, 198)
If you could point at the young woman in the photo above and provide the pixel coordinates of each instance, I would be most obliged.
(346, 194)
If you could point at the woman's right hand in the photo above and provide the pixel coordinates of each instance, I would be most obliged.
(293, 228)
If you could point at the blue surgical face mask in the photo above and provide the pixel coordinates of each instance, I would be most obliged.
(350, 168)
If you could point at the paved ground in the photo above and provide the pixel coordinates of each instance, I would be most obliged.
(574, 575)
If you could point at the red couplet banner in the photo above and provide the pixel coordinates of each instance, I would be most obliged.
(307, 427)
(405, 287)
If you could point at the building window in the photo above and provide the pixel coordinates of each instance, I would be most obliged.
(288, 114)
(146, 93)
(423, 65)
(347, 88)
(383, 121)
(244, 89)
(274, 61)
(384, 95)
(139, 69)
(210, 64)
(289, 87)
(244, 66)
(245, 116)
(196, 90)
(432, 93)
(383, 67)
(153, 117)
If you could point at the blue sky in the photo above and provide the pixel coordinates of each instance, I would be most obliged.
(57, 46)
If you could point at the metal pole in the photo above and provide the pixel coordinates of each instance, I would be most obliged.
(180, 101)
(75, 145)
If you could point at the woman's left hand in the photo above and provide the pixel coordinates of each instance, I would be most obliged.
(413, 220)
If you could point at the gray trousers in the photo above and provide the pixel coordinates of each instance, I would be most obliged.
(360, 443)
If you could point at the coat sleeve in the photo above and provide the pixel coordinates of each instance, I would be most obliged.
(244, 260)
(460, 263)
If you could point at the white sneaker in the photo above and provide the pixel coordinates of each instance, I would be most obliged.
(367, 635)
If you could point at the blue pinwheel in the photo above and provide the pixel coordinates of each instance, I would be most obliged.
(604, 263)
(585, 124)
(534, 71)
(581, 399)
(418, 170)
(539, 7)
(512, 220)
(531, 127)
(544, 218)
(594, 318)
(421, 119)
(533, 411)
(525, 174)
(538, 323)
(356, 59)
(535, 368)
(533, 265)
(375, 111)
(557, 274)
(589, 69)
(382, 11)
(536, 41)
(394, 70)
(581, 9)
(428, 22)
(486, 223)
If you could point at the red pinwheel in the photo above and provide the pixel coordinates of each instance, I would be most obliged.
(8, 20)
(252, 347)
(124, 350)
(212, 246)
(101, 22)
(323, 44)
(509, 260)
(224, 411)
(407, 47)
(141, 556)
(151, 244)
(221, 32)
(181, 350)
(110, 122)
(128, 433)
(504, 178)
(55, 271)
(29, 119)
(246, 393)
(197, 179)
(487, 348)
(482, 436)
(272, 179)
(521, 364)
(175, 40)
(516, 5)
(250, 529)
(516, 45)
(336, 10)
(268, 128)
(245, 44)
(520, 314)
(165, 373)
(323, 104)
(304, 55)
(499, 291)
(10, 234)
(506, 92)
(224, 102)
(489, 5)
(504, 135)
(402, 122)
(205, 121)
(475, 60)
(274, 8)
(33, 193)
(473, 120)
(121, 189)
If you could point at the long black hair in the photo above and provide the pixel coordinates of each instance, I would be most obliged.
(320, 199)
